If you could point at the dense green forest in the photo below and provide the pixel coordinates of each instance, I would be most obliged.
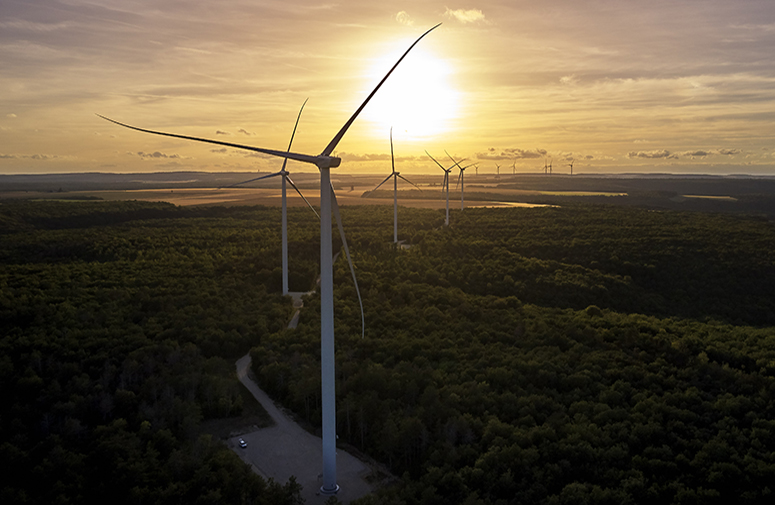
(583, 354)
(556, 355)
(119, 327)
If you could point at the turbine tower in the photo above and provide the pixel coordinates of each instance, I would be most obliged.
(395, 175)
(325, 162)
(514, 167)
(497, 171)
(571, 166)
(285, 177)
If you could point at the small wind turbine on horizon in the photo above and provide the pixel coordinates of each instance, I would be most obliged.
(395, 175)
(325, 161)
(514, 167)
(497, 171)
(285, 178)
(571, 165)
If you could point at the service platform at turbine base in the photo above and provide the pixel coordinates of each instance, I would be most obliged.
(325, 491)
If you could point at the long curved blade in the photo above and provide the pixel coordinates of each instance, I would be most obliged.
(304, 158)
(392, 159)
(335, 209)
(301, 195)
(253, 180)
(383, 182)
(407, 180)
(285, 160)
(458, 178)
(335, 141)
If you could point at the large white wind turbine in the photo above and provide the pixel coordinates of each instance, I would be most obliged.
(325, 162)
(445, 183)
(395, 175)
(285, 178)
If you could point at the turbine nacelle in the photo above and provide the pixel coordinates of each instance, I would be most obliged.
(328, 161)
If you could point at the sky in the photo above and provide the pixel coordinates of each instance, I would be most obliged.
(612, 86)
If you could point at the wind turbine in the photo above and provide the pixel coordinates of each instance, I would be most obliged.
(460, 178)
(328, 204)
(550, 166)
(514, 167)
(395, 175)
(571, 166)
(497, 171)
(445, 183)
(285, 177)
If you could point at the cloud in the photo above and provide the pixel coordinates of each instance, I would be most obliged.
(221, 132)
(569, 80)
(222, 150)
(7, 157)
(729, 152)
(697, 154)
(156, 155)
(404, 18)
(465, 15)
(664, 154)
(11, 115)
(245, 132)
(511, 153)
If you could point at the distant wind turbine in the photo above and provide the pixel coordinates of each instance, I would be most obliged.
(497, 171)
(285, 177)
(571, 166)
(328, 204)
(460, 178)
(395, 175)
(445, 183)
(550, 166)
(514, 167)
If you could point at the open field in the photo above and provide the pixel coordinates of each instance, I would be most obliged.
(741, 194)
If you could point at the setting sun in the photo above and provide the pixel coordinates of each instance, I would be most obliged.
(418, 98)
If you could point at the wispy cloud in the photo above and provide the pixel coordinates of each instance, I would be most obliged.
(653, 155)
(404, 18)
(156, 155)
(465, 15)
(511, 153)
(245, 132)
(222, 132)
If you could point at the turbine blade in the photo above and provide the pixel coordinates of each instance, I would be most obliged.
(304, 158)
(383, 182)
(252, 180)
(434, 159)
(285, 160)
(335, 209)
(458, 179)
(301, 195)
(335, 141)
(392, 159)
(407, 180)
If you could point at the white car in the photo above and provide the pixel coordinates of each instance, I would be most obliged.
(242, 443)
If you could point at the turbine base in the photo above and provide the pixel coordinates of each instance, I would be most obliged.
(327, 492)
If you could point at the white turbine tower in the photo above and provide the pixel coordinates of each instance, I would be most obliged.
(445, 183)
(285, 177)
(395, 175)
(325, 162)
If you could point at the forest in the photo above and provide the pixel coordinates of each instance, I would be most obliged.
(574, 354)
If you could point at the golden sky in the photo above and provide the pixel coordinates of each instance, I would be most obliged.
(614, 85)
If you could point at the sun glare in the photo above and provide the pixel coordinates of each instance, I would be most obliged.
(417, 99)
